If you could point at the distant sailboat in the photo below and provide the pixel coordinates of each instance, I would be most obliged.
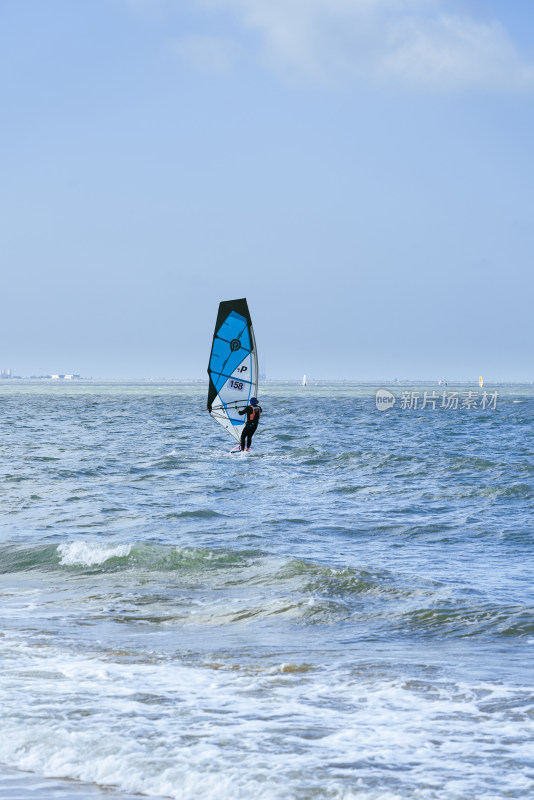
(304, 379)
(481, 382)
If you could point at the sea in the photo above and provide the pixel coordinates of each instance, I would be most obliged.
(346, 612)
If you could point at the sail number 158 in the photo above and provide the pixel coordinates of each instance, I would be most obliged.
(237, 385)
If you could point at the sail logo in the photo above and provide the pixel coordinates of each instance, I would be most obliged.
(235, 344)
(384, 400)
(242, 369)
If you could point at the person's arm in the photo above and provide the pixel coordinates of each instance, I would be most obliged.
(242, 410)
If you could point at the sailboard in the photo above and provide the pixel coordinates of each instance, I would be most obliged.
(233, 366)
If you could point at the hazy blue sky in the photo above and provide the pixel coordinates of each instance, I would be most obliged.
(361, 170)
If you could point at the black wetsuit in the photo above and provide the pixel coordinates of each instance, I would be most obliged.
(253, 417)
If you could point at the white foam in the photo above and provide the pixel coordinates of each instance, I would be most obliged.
(273, 733)
(88, 554)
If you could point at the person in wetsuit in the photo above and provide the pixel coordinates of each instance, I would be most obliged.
(253, 412)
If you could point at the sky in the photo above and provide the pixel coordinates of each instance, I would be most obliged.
(361, 171)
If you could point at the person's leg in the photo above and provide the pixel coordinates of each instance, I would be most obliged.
(251, 433)
(243, 437)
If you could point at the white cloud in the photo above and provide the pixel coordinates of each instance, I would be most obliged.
(454, 52)
(418, 43)
(206, 52)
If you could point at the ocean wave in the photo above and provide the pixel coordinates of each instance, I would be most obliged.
(200, 513)
(120, 556)
(92, 554)
(466, 621)
(221, 587)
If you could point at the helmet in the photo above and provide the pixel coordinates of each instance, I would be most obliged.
(253, 401)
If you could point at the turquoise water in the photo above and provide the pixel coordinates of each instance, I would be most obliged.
(346, 612)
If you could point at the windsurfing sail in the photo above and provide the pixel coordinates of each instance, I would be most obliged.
(304, 379)
(233, 365)
(481, 381)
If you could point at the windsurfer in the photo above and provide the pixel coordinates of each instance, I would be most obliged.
(253, 412)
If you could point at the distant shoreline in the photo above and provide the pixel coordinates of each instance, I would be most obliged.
(269, 381)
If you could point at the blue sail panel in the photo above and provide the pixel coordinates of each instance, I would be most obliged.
(235, 328)
(230, 346)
